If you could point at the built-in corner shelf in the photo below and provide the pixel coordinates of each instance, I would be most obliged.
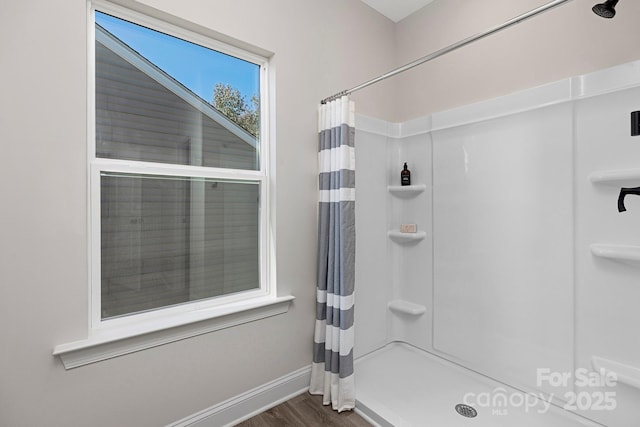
(617, 178)
(627, 374)
(407, 190)
(621, 253)
(399, 237)
(406, 307)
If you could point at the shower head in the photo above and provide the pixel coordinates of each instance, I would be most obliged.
(606, 9)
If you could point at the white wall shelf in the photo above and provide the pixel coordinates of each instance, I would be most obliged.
(407, 190)
(399, 237)
(406, 307)
(622, 253)
(617, 178)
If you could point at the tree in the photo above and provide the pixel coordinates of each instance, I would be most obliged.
(230, 102)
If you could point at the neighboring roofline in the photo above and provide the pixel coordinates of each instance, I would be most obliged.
(124, 51)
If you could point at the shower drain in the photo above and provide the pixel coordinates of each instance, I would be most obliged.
(466, 411)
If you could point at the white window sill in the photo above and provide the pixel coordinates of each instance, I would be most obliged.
(105, 345)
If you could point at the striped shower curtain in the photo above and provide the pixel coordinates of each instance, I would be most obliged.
(332, 368)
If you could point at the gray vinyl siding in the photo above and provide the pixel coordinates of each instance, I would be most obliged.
(166, 242)
(139, 119)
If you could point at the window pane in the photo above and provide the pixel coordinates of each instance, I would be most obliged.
(163, 99)
(168, 240)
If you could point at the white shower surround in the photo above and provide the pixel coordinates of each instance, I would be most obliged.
(574, 128)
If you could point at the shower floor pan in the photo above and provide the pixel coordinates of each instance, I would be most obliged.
(402, 386)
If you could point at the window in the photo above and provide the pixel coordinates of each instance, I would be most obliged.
(178, 171)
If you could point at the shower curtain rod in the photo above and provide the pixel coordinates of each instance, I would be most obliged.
(449, 48)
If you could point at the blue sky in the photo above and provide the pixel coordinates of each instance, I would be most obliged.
(196, 67)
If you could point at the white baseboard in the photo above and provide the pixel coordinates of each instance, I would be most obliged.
(250, 403)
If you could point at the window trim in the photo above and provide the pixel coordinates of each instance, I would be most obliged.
(104, 345)
(121, 335)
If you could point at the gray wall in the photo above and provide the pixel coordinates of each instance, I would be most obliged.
(566, 41)
(43, 243)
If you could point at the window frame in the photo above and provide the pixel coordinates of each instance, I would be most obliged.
(171, 316)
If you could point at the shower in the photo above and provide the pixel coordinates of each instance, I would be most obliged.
(494, 291)
(606, 9)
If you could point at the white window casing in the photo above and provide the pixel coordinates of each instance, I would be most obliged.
(137, 331)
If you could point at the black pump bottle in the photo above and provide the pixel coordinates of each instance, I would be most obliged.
(405, 176)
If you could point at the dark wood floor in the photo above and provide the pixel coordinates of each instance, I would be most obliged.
(305, 411)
